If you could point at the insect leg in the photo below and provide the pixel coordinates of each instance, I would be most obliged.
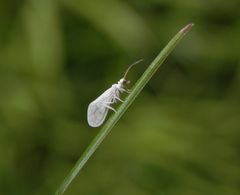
(111, 102)
(128, 91)
(125, 90)
(117, 98)
(111, 108)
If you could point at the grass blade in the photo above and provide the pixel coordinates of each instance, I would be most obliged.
(122, 109)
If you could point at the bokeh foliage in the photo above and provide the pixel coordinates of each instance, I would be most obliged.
(181, 136)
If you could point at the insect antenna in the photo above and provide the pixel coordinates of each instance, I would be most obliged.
(131, 67)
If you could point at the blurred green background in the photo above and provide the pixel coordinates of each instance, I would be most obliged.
(181, 135)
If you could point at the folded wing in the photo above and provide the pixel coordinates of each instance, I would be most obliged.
(97, 110)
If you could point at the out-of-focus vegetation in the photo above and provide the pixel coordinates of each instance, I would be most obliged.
(181, 136)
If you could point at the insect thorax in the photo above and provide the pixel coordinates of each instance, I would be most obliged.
(121, 85)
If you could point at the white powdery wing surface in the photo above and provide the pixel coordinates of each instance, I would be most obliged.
(97, 110)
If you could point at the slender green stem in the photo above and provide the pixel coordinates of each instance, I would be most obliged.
(122, 109)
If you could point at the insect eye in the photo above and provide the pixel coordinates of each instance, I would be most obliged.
(125, 82)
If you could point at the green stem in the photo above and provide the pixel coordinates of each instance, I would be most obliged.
(122, 109)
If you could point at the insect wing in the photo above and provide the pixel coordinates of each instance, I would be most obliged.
(97, 110)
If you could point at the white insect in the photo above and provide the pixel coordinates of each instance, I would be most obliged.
(98, 109)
